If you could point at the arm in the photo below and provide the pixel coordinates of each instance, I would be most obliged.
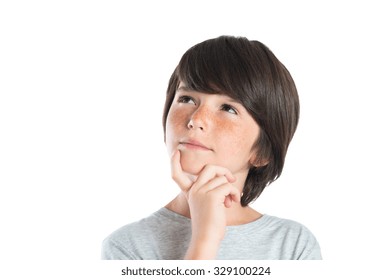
(208, 197)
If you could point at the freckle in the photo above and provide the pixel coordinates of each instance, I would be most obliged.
(225, 125)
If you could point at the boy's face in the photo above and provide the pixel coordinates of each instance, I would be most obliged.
(210, 129)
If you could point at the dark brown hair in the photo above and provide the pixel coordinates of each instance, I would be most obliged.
(248, 72)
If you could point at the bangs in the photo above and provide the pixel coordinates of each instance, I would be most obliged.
(208, 67)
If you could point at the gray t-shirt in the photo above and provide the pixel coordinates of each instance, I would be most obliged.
(165, 235)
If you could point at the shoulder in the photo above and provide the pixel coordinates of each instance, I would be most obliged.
(135, 240)
(296, 237)
(118, 244)
(123, 242)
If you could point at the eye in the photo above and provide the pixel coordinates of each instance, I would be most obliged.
(186, 99)
(228, 108)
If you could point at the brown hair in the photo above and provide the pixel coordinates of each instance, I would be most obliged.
(248, 72)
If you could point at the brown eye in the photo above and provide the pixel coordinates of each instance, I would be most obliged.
(186, 99)
(229, 109)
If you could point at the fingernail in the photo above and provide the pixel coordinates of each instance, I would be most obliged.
(174, 153)
(232, 179)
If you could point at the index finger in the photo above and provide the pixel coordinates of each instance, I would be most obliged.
(209, 172)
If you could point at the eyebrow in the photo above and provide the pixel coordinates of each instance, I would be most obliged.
(184, 88)
(229, 99)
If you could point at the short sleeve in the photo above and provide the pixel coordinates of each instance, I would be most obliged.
(312, 249)
(113, 251)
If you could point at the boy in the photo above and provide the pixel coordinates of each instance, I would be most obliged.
(231, 111)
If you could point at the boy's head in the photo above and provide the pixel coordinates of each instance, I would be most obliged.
(248, 72)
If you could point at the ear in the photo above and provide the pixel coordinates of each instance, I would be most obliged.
(261, 164)
(257, 162)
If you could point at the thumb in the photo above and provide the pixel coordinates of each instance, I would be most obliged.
(177, 174)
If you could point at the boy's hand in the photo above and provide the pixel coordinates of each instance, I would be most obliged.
(208, 196)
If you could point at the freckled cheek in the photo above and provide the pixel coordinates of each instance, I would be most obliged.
(235, 139)
(229, 135)
(175, 125)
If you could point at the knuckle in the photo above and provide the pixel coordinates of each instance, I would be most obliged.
(208, 167)
(211, 168)
(192, 191)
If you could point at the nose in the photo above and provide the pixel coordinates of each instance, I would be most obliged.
(200, 119)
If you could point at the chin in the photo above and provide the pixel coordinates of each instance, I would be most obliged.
(192, 165)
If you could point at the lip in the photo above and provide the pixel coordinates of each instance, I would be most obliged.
(194, 145)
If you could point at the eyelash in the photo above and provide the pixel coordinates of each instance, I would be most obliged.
(227, 108)
(224, 107)
(185, 99)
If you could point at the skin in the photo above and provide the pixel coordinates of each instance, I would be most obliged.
(210, 139)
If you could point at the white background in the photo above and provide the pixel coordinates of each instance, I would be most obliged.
(82, 87)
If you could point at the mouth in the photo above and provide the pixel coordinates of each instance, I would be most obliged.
(194, 145)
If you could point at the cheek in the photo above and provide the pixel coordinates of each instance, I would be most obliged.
(229, 133)
(175, 121)
(238, 140)
(174, 126)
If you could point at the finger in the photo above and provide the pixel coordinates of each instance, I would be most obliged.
(213, 183)
(225, 190)
(211, 171)
(216, 182)
(177, 174)
(228, 201)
